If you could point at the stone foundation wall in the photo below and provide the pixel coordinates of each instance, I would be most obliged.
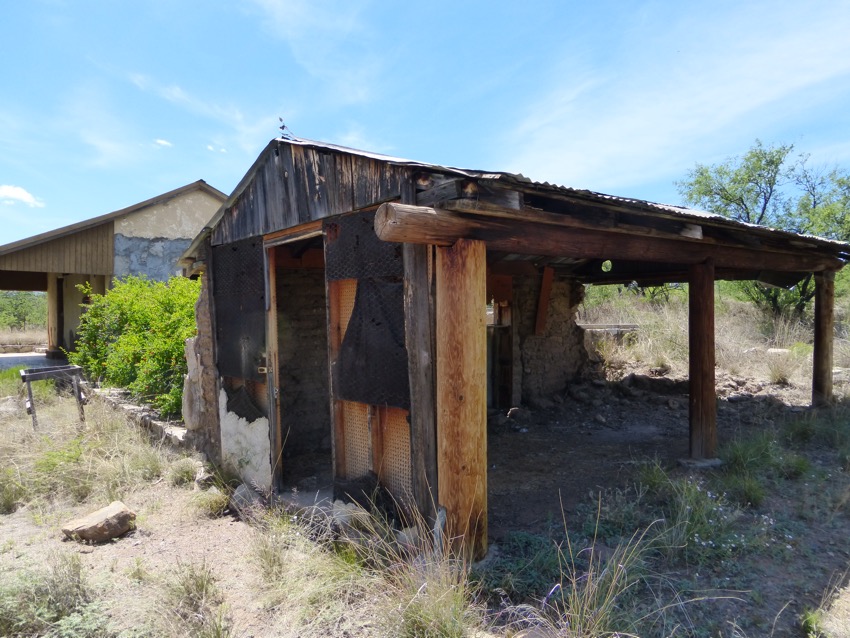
(545, 365)
(303, 347)
(201, 389)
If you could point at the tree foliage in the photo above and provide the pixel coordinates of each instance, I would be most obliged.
(21, 310)
(133, 337)
(768, 186)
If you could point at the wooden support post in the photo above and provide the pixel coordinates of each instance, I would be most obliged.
(419, 340)
(461, 280)
(273, 370)
(543, 300)
(53, 310)
(702, 398)
(824, 336)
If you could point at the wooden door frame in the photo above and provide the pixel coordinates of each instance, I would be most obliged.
(271, 243)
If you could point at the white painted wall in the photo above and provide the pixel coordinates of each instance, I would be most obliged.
(245, 446)
(179, 218)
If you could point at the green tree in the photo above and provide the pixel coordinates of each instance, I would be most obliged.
(767, 186)
(133, 337)
(20, 310)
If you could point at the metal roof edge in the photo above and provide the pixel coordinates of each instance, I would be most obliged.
(64, 231)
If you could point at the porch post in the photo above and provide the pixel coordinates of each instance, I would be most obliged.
(461, 389)
(824, 335)
(702, 400)
(53, 336)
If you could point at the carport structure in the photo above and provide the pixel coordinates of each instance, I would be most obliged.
(405, 326)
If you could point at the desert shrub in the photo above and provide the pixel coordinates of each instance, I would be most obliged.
(58, 602)
(133, 337)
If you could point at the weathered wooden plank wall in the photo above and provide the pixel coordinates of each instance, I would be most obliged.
(293, 184)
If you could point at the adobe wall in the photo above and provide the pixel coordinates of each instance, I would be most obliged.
(546, 364)
(303, 348)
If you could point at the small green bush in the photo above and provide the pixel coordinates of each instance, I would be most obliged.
(133, 337)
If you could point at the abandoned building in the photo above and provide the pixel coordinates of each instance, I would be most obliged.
(144, 239)
(359, 313)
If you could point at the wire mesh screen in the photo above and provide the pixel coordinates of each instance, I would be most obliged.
(238, 279)
(355, 252)
(358, 444)
(371, 366)
(396, 461)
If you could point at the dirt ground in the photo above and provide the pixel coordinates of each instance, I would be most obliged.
(558, 454)
(543, 463)
(591, 438)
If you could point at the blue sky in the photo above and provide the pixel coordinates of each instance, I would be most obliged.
(104, 104)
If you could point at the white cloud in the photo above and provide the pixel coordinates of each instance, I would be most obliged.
(10, 195)
(245, 131)
(330, 41)
(164, 143)
(699, 80)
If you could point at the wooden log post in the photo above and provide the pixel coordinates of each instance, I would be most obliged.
(824, 336)
(702, 399)
(419, 340)
(461, 388)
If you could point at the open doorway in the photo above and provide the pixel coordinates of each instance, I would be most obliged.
(301, 383)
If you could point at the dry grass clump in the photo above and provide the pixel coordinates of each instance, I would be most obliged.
(311, 582)
(65, 459)
(192, 604)
(329, 579)
(56, 602)
(744, 337)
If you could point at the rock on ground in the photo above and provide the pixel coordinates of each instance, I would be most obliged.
(106, 523)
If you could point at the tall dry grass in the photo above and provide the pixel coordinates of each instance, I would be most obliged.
(29, 337)
(66, 460)
(744, 337)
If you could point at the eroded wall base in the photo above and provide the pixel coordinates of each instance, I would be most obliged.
(245, 446)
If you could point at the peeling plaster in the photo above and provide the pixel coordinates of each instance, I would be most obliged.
(245, 446)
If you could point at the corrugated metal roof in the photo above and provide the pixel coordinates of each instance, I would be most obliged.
(522, 180)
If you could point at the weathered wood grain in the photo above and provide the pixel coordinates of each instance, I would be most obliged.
(824, 336)
(701, 398)
(461, 388)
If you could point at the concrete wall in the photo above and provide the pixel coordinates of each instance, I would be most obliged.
(303, 347)
(72, 303)
(179, 218)
(546, 364)
(150, 241)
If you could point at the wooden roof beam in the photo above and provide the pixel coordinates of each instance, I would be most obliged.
(525, 234)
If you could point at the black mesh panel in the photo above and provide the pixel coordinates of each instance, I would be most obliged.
(240, 317)
(372, 363)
